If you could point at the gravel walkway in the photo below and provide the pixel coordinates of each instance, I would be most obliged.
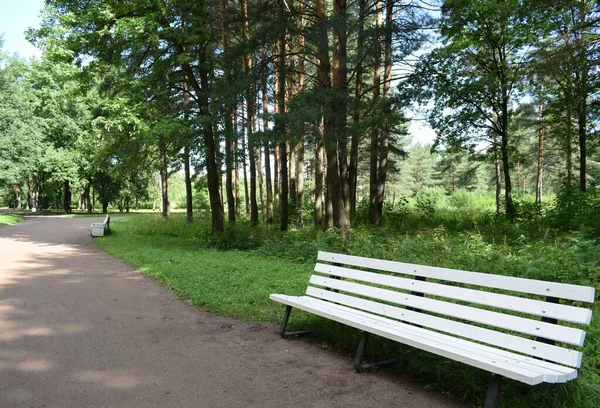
(80, 328)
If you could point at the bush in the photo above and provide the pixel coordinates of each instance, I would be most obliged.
(577, 210)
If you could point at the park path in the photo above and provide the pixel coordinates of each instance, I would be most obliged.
(80, 328)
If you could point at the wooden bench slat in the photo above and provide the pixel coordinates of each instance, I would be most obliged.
(537, 287)
(530, 306)
(519, 324)
(483, 357)
(519, 344)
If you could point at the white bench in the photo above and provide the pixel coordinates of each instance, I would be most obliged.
(99, 227)
(510, 335)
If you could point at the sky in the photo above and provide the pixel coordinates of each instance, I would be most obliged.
(16, 16)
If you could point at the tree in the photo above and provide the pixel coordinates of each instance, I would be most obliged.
(476, 74)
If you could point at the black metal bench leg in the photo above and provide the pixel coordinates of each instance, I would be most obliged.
(493, 395)
(286, 317)
(359, 366)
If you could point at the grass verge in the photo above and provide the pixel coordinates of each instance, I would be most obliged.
(233, 274)
(10, 219)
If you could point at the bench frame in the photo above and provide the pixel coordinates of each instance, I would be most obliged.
(99, 227)
(569, 360)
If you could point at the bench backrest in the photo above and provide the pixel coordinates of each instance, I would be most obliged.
(461, 303)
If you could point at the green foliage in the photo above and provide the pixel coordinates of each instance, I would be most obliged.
(576, 210)
(9, 219)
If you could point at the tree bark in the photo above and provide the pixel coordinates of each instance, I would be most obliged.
(319, 174)
(385, 133)
(210, 148)
(265, 105)
(300, 143)
(292, 170)
(281, 131)
(353, 166)
(244, 164)
(189, 206)
(582, 94)
(229, 136)
(540, 157)
(569, 145)
(68, 196)
(336, 146)
(374, 150)
(508, 200)
(87, 198)
(189, 203)
(236, 162)
(164, 178)
(251, 102)
(498, 176)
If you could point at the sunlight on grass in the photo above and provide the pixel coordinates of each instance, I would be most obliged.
(10, 219)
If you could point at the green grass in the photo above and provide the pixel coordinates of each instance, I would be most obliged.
(233, 274)
(10, 219)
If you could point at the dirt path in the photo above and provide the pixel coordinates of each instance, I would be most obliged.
(79, 328)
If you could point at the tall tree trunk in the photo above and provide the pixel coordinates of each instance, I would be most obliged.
(20, 196)
(210, 148)
(385, 131)
(511, 212)
(277, 186)
(374, 150)
(337, 144)
(244, 163)
(291, 147)
(236, 162)
(251, 102)
(229, 136)
(281, 131)
(164, 181)
(353, 166)
(265, 104)
(300, 143)
(497, 176)
(87, 198)
(540, 156)
(328, 208)
(569, 145)
(582, 94)
(252, 157)
(319, 174)
(189, 206)
(67, 198)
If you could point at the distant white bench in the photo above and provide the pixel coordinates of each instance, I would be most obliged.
(99, 227)
(497, 332)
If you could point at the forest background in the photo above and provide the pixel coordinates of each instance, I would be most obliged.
(280, 128)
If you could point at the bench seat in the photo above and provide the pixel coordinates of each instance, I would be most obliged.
(511, 365)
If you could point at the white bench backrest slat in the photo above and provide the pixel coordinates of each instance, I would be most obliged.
(536, 287)
(519, 324)
(523, 345)
(535, 307)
